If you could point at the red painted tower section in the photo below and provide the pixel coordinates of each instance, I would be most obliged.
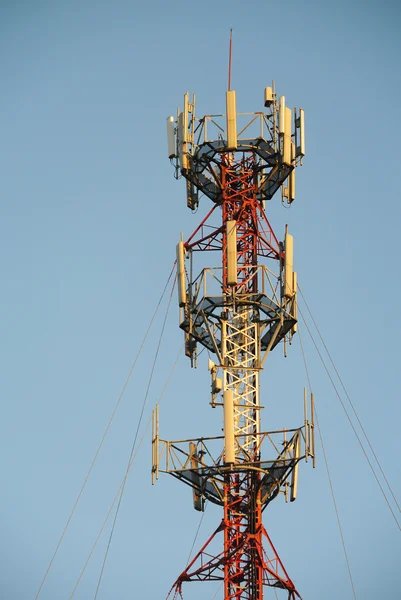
(239, 311)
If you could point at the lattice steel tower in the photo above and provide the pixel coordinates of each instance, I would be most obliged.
(239, 310)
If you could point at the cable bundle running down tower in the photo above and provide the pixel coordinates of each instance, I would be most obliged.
(240, 311)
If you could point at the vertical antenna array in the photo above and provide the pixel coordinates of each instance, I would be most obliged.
(239, 308)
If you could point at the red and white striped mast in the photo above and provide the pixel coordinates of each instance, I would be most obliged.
(239, 309)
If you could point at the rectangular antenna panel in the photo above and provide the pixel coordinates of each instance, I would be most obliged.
(231, 231)
(291, 178)
(182, 128)
(294, 307)
(287, 135)
(268, 96)
(170, 137)
(182, 294)
(302, 131)
(185, 112)
(229, 440)
(197, 499)
(181, 141)
(294, 479)
(288, 264)
(291, 187)
(231, 116)
(217, 385)
(300, 126)
(281, 115)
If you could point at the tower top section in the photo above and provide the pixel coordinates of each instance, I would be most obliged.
(275, 138)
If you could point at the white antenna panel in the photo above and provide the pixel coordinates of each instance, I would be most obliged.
(170, 137)
(294, 476)
(268, 96)
(231, 117)
(281, 115)
(182, 141)
(291, 178)
(287, 121)
(182, 128)
(288, 265)
(291, 187)
(182, 294)
(185, 120)
(287, 135)
(302, 132)
(229, 439)
(294, 304)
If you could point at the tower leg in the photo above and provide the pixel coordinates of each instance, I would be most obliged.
(249, 561)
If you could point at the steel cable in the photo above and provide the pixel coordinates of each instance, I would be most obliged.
(328, 472)
(121, 484)
(197, 532)
(349, 400)
(103, 437)
(134, 442)
(350, 421)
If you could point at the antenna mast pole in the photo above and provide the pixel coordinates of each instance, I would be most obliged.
(240, 310)
(230, 56)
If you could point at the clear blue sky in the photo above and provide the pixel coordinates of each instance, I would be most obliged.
(90, 214)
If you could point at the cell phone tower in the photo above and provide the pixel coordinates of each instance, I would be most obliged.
(239, 310)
